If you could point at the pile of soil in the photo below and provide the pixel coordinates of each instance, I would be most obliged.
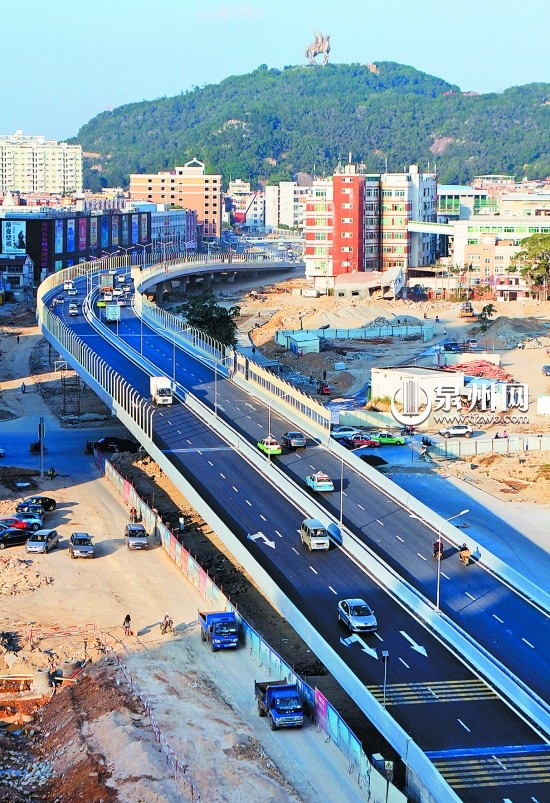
(526, 477)
(18, 575)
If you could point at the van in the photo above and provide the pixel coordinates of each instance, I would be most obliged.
(314, 535)
(68, 285)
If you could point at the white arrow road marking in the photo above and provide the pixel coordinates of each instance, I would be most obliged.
(347, 642)
(414, 645)
(263, 537)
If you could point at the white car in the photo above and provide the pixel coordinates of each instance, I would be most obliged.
(457, 431)
(73, 309)
(357, 615)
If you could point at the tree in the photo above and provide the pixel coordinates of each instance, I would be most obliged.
(533, 262)
(486, 312)
(202, 312)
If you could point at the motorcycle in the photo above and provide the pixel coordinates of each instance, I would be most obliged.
(34, 448)
(168, 626)
(464, 555)
(437, 550)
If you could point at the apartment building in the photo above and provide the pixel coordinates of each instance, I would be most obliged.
(484, 247)
(318, 230)
(285, 204)
(245, 207)
(34, 164)
(361, 223)
(188, 186)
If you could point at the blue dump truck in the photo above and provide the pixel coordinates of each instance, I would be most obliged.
(280, 701)
(220, 628)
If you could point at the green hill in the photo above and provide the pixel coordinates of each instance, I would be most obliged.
(271, 124)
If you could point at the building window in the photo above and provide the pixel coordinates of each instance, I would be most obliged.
(346, 220)
(347, 249)
(346, 235)
(346, 190)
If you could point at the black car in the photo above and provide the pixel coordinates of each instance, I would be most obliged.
(112, 444)
(44, 501)
(13, 536)
(37, 510)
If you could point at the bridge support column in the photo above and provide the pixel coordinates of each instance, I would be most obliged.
(231, 277)
(159, 292)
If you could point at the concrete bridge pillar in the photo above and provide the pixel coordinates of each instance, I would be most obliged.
(231, 277)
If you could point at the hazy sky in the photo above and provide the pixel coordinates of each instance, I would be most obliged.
(67, 60)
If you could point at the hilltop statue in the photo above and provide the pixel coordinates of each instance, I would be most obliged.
(320, 45)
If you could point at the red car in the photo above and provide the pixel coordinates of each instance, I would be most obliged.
(11, 521)
(356, 441)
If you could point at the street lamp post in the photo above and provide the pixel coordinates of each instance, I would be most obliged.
(164, 245)
(456, 516)
(140, 245)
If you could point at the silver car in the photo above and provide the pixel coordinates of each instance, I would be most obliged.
(357, 615)
(42, 541)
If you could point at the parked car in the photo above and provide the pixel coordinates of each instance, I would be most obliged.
(81, 546)
(45, 501)
(36, 510)
(456, 431)
(341, 432)
(357, 441)
(32, 520)
(293, 440)
(388, 439)
(269, 446)
(357, 615)
(113, 444)
(12, 521)
(42, 541)
(452, 347)
(546, 370)
(13, 536)
(320, 482)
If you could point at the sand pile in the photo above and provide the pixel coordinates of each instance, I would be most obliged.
(18, 575)
(513, 331)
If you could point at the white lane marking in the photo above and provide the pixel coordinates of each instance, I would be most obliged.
(446, 576)
(498, 761)
(421, 556)
(259, 425)
(278, 533)
(238, 408)
(498, 619)
(379, 637)
(221, 475)
(361, 506)
(314, 570)
(460, 722)
(471, 596)
(528, 643)
(333, 591)
(381, 523)
(400, 539)
(404, 663)
(312, 467)
(199, 452)
(295, 550)
(235, 489)
(210, 463)
(344, 493)
(179, 431)
(248, 503)
(263, 517)
(249, 416)
(188, 441)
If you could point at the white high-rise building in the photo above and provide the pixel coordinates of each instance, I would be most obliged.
(35, 164)
(285, 204)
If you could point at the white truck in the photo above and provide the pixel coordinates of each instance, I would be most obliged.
(112, 313)
(161, 390)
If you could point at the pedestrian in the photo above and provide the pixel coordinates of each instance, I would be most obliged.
(324, 375)
(23, 387)
(126, 625)
(18, 339)
(253, 350)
